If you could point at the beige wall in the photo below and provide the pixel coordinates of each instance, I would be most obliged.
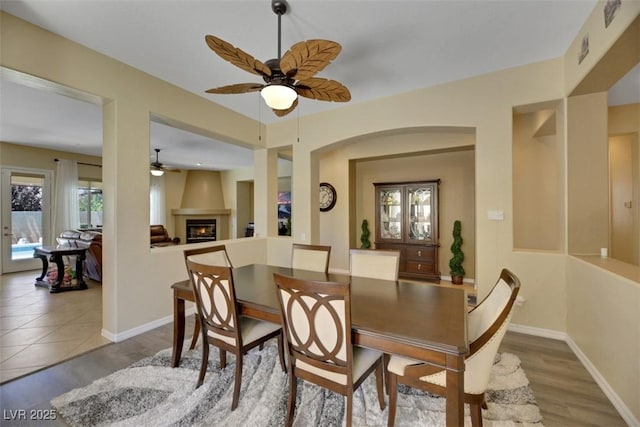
(401, 156)
(612, 50)
(203, 190)
(456, 171)
(130, 98)
(38, 158)
(602, 308)
(483, 104)
(624, 133)
(587, 174)
(623, 183)
(538, 180)
(603, 313)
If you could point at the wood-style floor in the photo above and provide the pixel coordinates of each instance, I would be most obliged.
(565, 392)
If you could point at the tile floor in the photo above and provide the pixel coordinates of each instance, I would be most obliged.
(39, 329)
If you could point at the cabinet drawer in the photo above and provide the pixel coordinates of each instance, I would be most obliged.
(420, 253)
(420, 267)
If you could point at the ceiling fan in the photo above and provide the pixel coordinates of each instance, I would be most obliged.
(157, 168)
(286, 76)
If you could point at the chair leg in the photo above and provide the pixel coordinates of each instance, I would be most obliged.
(223, 359)
(379, 385)
(385, 363)
(196, 332)
(291, 403)
(392, 383)
(281, 353)
(237, 382)
(203, 364)
(349, 407)
(476, 414)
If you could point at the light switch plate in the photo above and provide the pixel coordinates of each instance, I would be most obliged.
(496, 215)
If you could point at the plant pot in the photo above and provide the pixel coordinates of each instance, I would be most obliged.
(457, 280)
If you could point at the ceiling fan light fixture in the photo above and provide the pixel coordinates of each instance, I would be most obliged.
(279, 96)
(157, 172)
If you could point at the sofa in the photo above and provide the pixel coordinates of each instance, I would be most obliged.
(92, 240)
(160, 237)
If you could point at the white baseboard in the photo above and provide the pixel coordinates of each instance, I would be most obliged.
(467, 280)
(538, 332)
(613, 397)
(143, 328)
(623, 409)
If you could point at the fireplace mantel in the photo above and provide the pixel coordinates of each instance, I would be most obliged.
(200, 211)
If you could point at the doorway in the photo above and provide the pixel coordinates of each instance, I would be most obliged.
(622, 191)
(26, 217)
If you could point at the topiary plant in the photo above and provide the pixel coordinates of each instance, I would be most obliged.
(455, 263)
(364, 238)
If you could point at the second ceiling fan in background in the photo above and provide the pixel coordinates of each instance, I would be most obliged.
(286, 76)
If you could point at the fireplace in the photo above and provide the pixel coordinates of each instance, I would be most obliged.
(201, 230)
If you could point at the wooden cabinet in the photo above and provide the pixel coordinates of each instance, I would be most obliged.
(407, 221)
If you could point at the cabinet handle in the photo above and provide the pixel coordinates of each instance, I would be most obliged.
(419, 266)
(419, 253)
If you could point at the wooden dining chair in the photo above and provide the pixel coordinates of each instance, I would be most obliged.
(487, 325)
(375, 264)
(212, 255)
(222, 325)
(316, 318)
(310, 257)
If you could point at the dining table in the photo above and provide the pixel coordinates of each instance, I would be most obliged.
(422, 321)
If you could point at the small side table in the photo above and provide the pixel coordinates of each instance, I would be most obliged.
(56, 253)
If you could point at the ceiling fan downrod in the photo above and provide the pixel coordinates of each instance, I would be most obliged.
(279, 7)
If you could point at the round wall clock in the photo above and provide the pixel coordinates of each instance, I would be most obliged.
(328, 197)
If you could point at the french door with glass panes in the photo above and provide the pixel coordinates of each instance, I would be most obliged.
(25, 218)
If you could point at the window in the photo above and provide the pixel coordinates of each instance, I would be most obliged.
(90, 202)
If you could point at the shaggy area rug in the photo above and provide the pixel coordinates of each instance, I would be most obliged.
(151, 393)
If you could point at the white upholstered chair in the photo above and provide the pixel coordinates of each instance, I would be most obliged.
(222, 325)
(310, 257)
(375, 264)
(487, 325)
(316, 319)
(212, 255)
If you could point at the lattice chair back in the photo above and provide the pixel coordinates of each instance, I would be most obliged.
(317, 326)
(215, 301)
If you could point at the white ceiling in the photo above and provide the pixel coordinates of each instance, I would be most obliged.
(388, 47)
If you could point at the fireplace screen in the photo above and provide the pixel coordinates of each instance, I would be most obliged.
(201, 230)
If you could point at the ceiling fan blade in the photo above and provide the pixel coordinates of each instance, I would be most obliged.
(304, 59)
(282, 113)
(323, 90)
(236, 56)
(237, 88)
